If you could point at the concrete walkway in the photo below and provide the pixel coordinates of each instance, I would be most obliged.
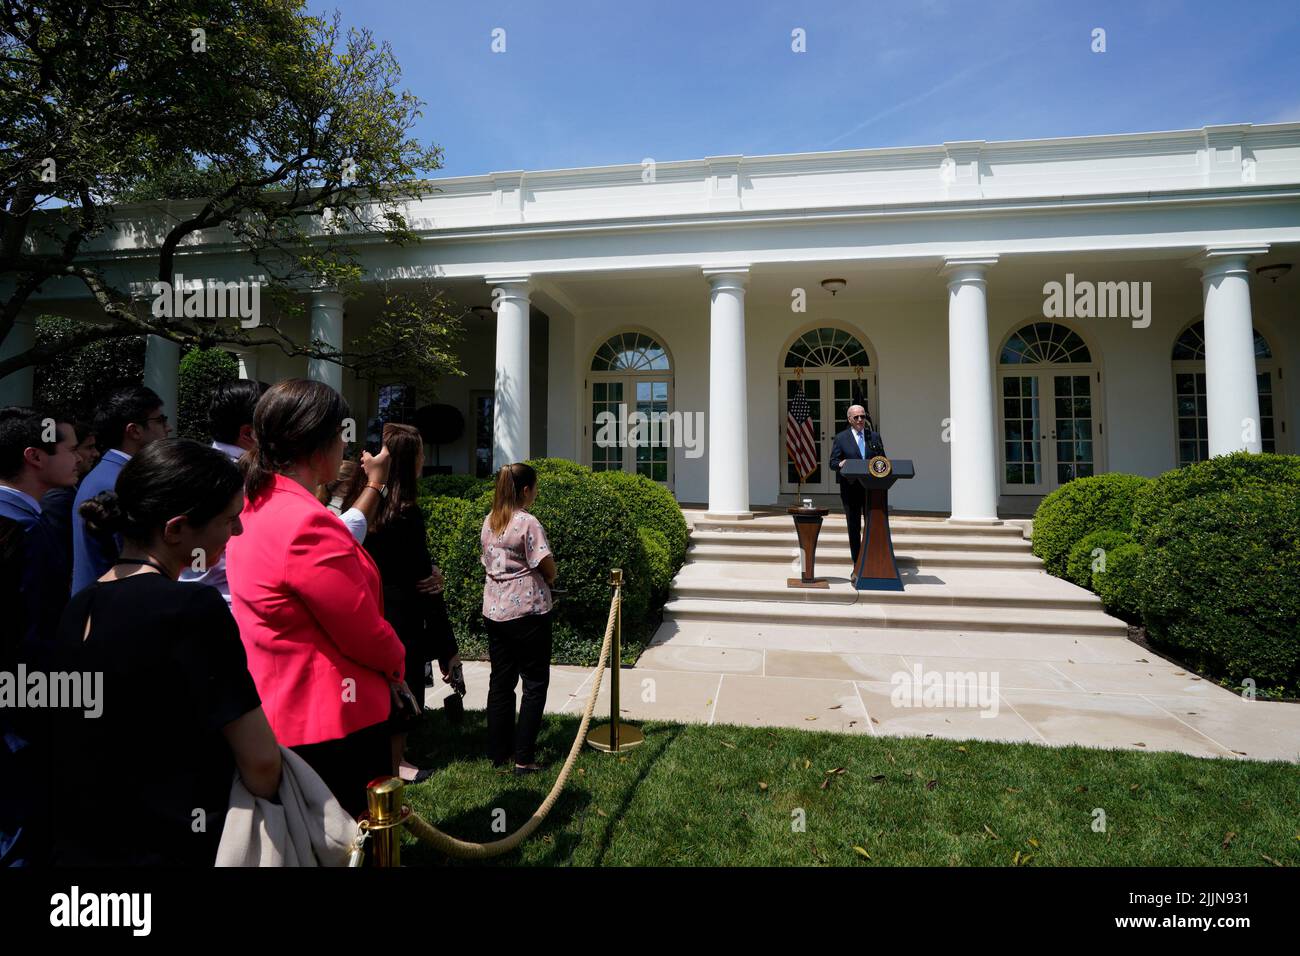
(1055, 690)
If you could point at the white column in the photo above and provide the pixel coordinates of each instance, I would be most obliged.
(728, 394)
(16, 388)
(1232, 393)
(326, 308)
(162, 365)
(510, 421)
(972, 428)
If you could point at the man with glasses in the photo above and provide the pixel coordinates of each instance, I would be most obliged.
(862, 442)
(128, 419)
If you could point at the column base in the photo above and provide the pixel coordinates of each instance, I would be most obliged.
(733, 515)
(958, 519)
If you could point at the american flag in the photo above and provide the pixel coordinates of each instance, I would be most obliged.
(800, 441)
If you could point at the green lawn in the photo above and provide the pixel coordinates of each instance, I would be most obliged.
(723, 795)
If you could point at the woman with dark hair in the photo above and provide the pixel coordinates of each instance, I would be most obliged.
(413, 601)
(308, 601)
(517, 612)
(178, 709)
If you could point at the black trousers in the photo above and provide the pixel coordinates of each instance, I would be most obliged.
(518, 649)
(348, 764)
(854, 498)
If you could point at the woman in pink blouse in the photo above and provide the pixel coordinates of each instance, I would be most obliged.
(517, 611)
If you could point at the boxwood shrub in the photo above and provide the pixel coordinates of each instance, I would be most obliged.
(1225, 473)
(558, 466)
(651, 505)
(1078, 508)
(442, 518)
(1219, 584)
(1118, 585)
(1079, 565)
(454, 486)
(661, 569)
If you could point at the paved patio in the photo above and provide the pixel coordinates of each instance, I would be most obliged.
(1055, 690)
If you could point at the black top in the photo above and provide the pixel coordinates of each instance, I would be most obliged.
(175, 673)
(401, 552)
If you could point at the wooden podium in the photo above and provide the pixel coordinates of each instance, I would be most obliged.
(808, 525)
(876, 569)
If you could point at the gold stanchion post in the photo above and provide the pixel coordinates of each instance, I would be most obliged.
(616, 736)
(384, 813)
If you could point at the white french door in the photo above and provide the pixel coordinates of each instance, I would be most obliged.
(1050, 429)
(617, 397)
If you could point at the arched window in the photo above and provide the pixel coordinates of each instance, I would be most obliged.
(827, 348)
(1044, 447)
(1192, 424)
(630, 352)
(1044, 343)
(631, 372)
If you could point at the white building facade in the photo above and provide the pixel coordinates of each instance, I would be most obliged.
(1014, 314)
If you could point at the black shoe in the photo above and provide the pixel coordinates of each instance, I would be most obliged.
(525, 771)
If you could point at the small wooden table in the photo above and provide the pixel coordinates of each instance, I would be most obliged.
(808, 525)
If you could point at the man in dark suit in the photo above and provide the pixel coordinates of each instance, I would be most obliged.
(37, 456)
(859, 441)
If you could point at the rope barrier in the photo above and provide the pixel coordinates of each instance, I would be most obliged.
(426, 832)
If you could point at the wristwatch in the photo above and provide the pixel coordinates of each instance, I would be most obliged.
(382, 489)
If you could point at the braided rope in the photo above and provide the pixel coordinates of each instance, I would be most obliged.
(466, 850)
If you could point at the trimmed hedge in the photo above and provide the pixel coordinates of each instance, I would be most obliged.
(1118, 586)
(1220, 582)
(468, 487)
(442, 518)
(659, 561)
(1080, 507)
(73, 383)
(590, 532)
(1239, 470)
(1078, 567)
(558, 466)
(201, 371)
(651, 506)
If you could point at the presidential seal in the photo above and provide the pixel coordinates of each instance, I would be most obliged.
(880, 466)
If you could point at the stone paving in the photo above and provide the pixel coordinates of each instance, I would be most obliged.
(1053, 690)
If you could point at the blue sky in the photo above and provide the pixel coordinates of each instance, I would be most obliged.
(587, 84)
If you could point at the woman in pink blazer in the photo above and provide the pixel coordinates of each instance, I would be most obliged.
(308, 600)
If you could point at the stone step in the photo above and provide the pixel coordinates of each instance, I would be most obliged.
(711, 588)
(869, 613)
(836, 559)
(834, 523)
(903, 541)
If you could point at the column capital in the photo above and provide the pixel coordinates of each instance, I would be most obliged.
(726, 277)
(519, 280)
(1227, 259)
(967, 268)
(516, 287)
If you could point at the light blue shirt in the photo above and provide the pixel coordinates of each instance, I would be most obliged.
(22, 499)
(92, 556)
